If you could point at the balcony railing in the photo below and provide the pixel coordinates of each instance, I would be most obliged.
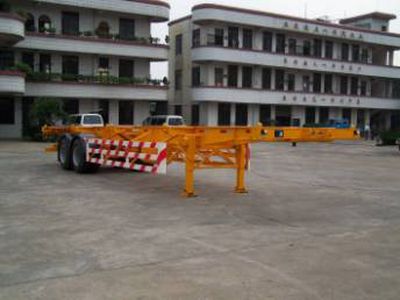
(99, 79)
(294, 52)
(91, 35)
(373, 94)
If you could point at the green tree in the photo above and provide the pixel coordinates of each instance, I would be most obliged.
(44, 111)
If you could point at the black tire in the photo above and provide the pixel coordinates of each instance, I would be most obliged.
(64, 154)
(78, 158)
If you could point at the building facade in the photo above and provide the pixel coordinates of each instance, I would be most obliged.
(232, 66)
(91, 55)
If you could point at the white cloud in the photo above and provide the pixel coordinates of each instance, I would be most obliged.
(312, 8)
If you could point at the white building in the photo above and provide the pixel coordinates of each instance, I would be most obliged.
(233, 66)
(93, 55)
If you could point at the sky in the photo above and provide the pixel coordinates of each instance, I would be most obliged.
(334, 9)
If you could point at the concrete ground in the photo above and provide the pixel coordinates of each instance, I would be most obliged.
(321, 221)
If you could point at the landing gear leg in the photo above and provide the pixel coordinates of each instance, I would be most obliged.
(241, 168)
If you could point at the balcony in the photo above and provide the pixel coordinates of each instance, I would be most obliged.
(12, 29)
(277, 60)
(212, 13)
(157, 11)
(94, 45)
(259, 96)
(94, 87)
(12, 82)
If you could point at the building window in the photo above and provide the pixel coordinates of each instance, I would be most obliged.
(219, 37)
(384, 28)
(5, 6)
(354, 86)
(310, 115)
(306, 83)
(44, 23)
(317, 82)
(219, 77)
(178, 110)
(126, 112)
(6, 60)
(196, 76)
(266, 78)
(233, 37)
(28, 58)
(127, 29)
(104, 63)
(126, 68)
(279, 80)
(178, 80)
(70, 23)
(324, 115)
(104, 110)
(328, 84)
(241, 115)
(70, 65)
(45, 63)
(224, 114)
(355, 53)
(70, 106)
(291, 82)
(30, 23)
(247, 39)
(346, 114)
(103, 30)
(364, 55)
(158, 108)
(232, 76)
(343, 85)
(196, 38)
(265, 115)
(329, 49)
(306, 48)
(317, 48)
(363, 88)
(195, 114)
(27, 103)
(280, 43)
(247, 77)
(396, 89)
(7, 111)
(178, 44)
(345, 51)
(292, 46)
(283, 115)
(267, 41)
(360, 118)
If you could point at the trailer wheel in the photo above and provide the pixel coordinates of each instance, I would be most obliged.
(78, 157)
(64, 154)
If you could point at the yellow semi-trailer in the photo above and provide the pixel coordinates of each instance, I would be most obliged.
(85, 148)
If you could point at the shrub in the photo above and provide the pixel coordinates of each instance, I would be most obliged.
(125, 80)
(52, 30)
(44, 111)
(388, 138)
(87, 33)
(24, 68)
(69, 77)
